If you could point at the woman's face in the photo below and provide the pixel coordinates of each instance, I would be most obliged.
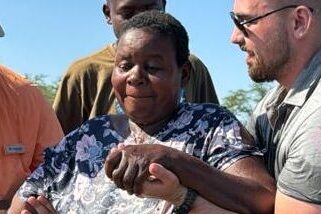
(146, 77)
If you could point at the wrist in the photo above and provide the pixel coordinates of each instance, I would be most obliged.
(187, 204)
(179, 197)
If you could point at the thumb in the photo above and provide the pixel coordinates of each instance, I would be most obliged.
(162, 174)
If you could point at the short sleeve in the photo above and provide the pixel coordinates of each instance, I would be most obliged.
(228, 143)
(300, 176)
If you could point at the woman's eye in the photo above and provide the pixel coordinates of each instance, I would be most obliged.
(152, 68)
(127, 14)
(125, 66)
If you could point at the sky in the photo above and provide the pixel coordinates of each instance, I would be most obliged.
(45, 37)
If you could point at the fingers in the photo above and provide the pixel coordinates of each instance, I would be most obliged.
(37, 206)
(176, 192)
(113, 150)
(44, 201)
(121, 146)
(162, 174)
(140, 179)
(112, 161)
(118, 174)
(27, 212)
(28, 208)
(129, 177)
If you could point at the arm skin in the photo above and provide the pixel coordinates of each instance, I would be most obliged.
(244, 187)
(286, 204)
(166, 186)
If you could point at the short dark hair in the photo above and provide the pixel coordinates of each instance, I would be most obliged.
(164, 3)
(165, 25)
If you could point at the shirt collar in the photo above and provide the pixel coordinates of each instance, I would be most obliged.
(305, 83)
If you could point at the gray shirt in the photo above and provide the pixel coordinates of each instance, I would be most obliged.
(287, 127)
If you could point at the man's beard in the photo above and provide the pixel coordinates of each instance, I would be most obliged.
(266, 70)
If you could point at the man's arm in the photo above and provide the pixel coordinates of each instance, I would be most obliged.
(244, 187)
(286, 204)
(166, 186)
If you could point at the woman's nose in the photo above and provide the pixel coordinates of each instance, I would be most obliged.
(137, 76)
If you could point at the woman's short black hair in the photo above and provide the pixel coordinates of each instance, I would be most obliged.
(165, 25)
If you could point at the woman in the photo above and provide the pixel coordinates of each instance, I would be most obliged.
(150, 69)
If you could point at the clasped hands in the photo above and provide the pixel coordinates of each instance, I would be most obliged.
(144, 170)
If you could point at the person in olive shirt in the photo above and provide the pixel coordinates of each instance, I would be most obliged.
(86, 91)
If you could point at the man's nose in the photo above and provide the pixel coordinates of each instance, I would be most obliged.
(237, 37)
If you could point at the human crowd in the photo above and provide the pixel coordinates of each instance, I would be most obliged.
(137, 127)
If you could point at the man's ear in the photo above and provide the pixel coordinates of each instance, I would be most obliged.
(302, 21)
(106, 11)
(186, 71)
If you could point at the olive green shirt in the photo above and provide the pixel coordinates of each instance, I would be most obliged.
(86, 91)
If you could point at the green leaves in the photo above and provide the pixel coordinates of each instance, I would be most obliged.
(241, 102)
(48, 89)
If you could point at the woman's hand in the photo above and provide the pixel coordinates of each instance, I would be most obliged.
(128, 166)
(35, 205)
(132, 169)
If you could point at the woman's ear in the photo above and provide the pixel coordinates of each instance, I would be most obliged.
(106, 11)
(186, 71)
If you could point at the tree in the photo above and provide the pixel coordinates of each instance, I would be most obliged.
(242, 102)
(48, 89)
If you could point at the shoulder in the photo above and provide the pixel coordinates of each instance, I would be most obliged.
(101, 60)
(307, 132)
(267, 100)
(12, 79)
(196, 63)
(208, 111)
(19, 86)
(300, 156)
(194, 59)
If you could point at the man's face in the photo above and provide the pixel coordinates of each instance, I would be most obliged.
(146, 77)
(267, 45)
(119, 11)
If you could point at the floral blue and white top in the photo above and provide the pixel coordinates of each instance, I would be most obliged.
(73, 177)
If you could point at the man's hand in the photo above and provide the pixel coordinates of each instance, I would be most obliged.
(37, 205)
(128, 166)
(163, 184)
